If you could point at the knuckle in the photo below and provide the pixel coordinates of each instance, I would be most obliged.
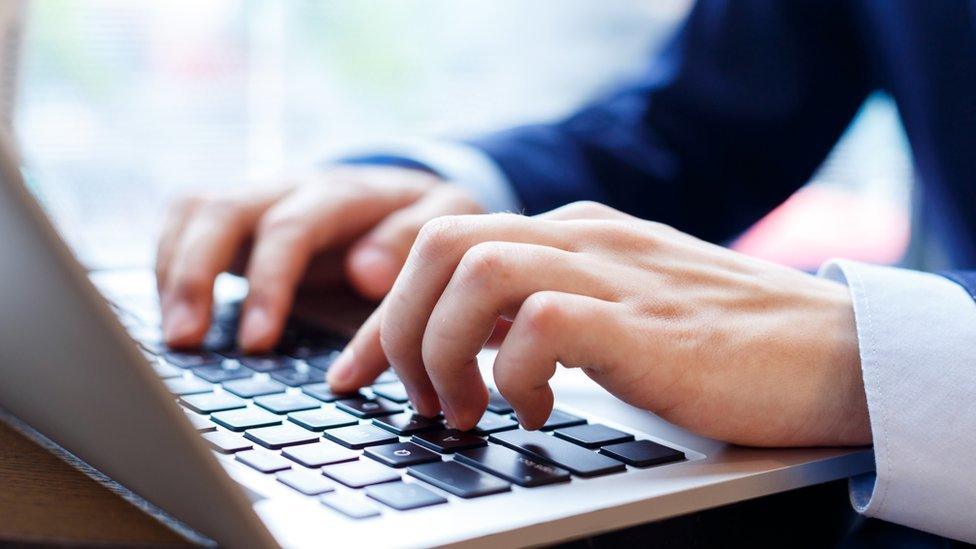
(438, 236)
(484, 264)
(541, 313)
(589, 208)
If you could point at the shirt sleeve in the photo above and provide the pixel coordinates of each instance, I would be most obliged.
(461, 164)
(916, 333)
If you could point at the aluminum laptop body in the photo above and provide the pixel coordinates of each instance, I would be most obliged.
(70, 370)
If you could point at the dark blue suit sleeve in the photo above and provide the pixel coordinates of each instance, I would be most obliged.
(966, 279)
(731, 118)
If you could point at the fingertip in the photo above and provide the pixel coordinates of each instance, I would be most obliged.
(372, 270)
(258, 330)
(183, 326)
(427, 405)
(534, 417)
(341, 372)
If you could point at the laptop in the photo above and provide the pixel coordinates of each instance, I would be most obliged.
(246, 451)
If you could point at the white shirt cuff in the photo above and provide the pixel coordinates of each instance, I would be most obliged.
(917, 338)
(461, 164)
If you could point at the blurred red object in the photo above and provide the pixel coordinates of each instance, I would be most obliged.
(823, 222)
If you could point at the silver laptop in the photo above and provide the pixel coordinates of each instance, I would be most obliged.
(257, 452)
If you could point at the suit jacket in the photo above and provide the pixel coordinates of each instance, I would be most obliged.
(745, 102)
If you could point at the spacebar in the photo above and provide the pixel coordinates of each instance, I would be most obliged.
(577, 460)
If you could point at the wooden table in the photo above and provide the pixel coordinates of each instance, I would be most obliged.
(45, 501)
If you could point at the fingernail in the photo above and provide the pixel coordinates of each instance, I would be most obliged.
(254, 327)
(180, 323)
(341, 370)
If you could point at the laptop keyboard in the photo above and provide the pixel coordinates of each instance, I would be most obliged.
(276, 415)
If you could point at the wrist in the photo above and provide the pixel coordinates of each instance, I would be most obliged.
(851, 424)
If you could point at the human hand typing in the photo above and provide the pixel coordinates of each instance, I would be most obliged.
(720, 343)
(350, 224)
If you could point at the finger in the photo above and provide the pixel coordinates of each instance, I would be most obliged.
(289, 235)
(429, 266)
(173, 226)
(492, 280)
(362, 360)
(551, 328)
(375, 260)
(206, 247)
(584, 209)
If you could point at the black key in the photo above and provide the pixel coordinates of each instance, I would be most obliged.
(263, 460)
(187, 386)
(321, 419)
(192, 359)
(558, 419)
(322, 392)
(286, 402)
(459, 480)
(404, 496)
(319, 454)
(643, 453)
(354, 507)
(512, 466)
(392, 391)
(267, 363)
(401, 454)
(491, 422)
(567, 455)
(296, 376)
(208, 403)
(498, 404)
(220, 337)
(306, 482)
(234, 353)
(363, 472)
(448, 440)
(367, 407)
(358, 437)
(226, 371)
(279, 436)
(323, 361)
(407, 423)
(302, 341)
(247, 418)
(250, 388)
(200, 423)
(164, 370)
(593, 436)
(227, 443)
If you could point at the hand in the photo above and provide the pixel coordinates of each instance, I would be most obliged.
(720, 343)
(351, 223)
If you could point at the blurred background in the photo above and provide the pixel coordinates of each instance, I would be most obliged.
(122, 103)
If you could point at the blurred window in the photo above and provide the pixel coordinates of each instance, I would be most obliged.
(123, 103)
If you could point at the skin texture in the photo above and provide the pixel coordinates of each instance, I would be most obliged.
(349, 225)
(722, 344)
(717, 342)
